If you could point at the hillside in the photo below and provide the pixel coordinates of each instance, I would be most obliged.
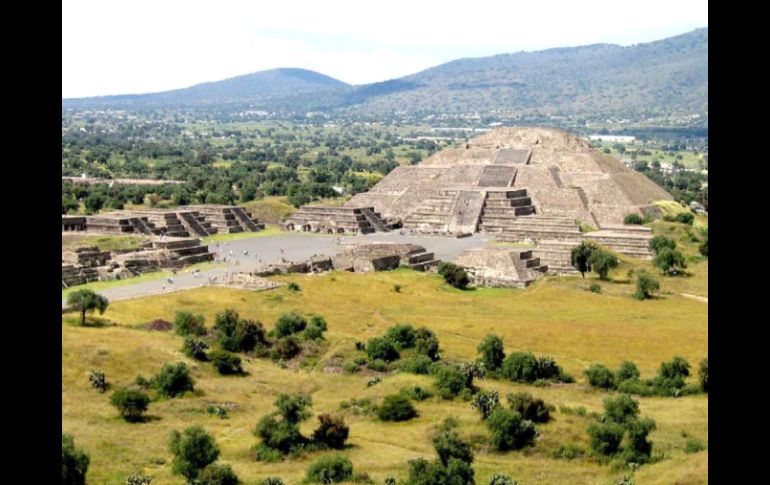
(664, 77)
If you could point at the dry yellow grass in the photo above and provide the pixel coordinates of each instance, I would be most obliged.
(555, 317)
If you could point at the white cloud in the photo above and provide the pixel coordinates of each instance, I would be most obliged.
(141, 46)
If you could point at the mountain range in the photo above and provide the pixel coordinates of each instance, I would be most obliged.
(664, 77)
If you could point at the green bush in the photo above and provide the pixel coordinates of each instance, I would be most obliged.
(416, 364)
(293, 286)
(627, 370)
(173, 380)
(605, 438)
(289, 324)
(378, 365)
(195, 348)
(621, 409)
(492, 353)
(454, 275)
(531, 408)
(381, 348)
(226, 362)
(137, 479)
(693, 445)
(520, 367)
(271, 481)
(185, 323)
(450, 380)
(633, 219)
(193, 449)
(579, 256)
(416, 393)
(330, 469)
(426, 343)
(602, 262)
(670, 261)
(671, 376)
(646, 285)
(396, 408)
(402, 336)
(498, 479)
(74, 462)
(684, 217)
(639, 448)
(568, 451)
(660, 242)
(600, 376)
(98, 380)
(237, 335)
(315, 328)
(332, 432)
(509, 431)
(703, 375)
(216, 474)
(131, 404)
(486, 402)
(350, 368)
(285, 348)
(595, 288)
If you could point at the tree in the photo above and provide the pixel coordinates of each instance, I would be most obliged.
(426, 343)
(627, 370)
(646, 285)
(396, 408)
(659, 242)
(173, 380)
(450, 380)
(74, 462)
(703, 248)
(670, 261)
(185, 323)
(283, 434)
(236, 334)
(193, 450)
(218, 474)
(535, 410)
(602, 262)
(605, 438)
(289, 324)
(621, 409)
(703, 374)
(381, 348)
(131, 403)
(492, 353)
(93, 203)
(509, 431)
(86, 301)
(330, 469)
(579, 256)
(600, 376)
(633, 219)
(225, 362)
(486, 402)
(520, 367)
(331, 432)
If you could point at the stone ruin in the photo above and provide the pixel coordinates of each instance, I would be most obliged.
(337, 220)
(87, 264)
(248, 281)
(193, 220)
(363, 257)
(501, 267)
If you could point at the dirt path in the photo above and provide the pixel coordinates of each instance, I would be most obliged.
(702, 299)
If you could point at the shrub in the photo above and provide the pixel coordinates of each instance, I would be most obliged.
(216, 474)
(160, 325)
(533, 409)
(671, 376)
(660, 242)
(426, 343)
(602, 262)
(450, 380)
(226, 362)
(330, 469)
(237, 335)
(454, 275)
(193, 449)
(605, 438)
(684, 217)
(271, 481)
(195, 348)
(600, 376)
(397, 288)
(416, 364)
(568, 451)
(471, 371)
(289, 324)
(670, 261)
(98, 380)
(621, 409)
(378, 365)
(703, 248)
(646, 285)
(315, 328)
(173, 380)
(293, 286)
(402, 336)
(185, 323)
(131, 403)
(595, 288)
(498, 479)
(332, 431)
(693, 445)
(374, 382)
(416, 393)
(381, 348)
(492, 353)
(350, 368)
(627, 370)
(136, 479)
(396, 408)
(449, 446)
(509, 431)
(486, 402)
(520, 367)
(633, 219)
(579, 256)
(74, 462)
(285, 348)
(703, 375)
(639, 448)
(280, 436)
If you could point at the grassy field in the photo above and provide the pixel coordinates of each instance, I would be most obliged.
(269, 230)
(70, 242)
(555, 317)
(270, 209)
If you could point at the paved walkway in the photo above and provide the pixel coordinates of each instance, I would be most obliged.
(291, 246)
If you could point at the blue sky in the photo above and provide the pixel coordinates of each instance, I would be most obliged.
(111, 47)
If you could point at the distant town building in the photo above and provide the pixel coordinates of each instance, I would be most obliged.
(612, 138)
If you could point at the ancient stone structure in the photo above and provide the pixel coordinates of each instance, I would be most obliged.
(511, 173)
(199, 220)
(335, 219)
(501, 267)
(87, 264)
(382, 256)
(248, 281)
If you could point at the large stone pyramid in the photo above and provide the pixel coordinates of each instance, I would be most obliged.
(508, 173)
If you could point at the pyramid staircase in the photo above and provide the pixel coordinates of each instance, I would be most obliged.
(434, 214)
(501, 208)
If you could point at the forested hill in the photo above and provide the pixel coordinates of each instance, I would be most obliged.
(668, 76)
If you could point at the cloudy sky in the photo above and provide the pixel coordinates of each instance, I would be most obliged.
(137, 46)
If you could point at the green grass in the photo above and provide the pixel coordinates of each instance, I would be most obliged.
(555, 317)
(268, 231)
(104, 243)
(270, 209)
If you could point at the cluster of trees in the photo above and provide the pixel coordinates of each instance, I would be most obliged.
(522, 367)
(621, 419)
(195, 454)
(670, 380)
(587, 256)
(666, 257)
